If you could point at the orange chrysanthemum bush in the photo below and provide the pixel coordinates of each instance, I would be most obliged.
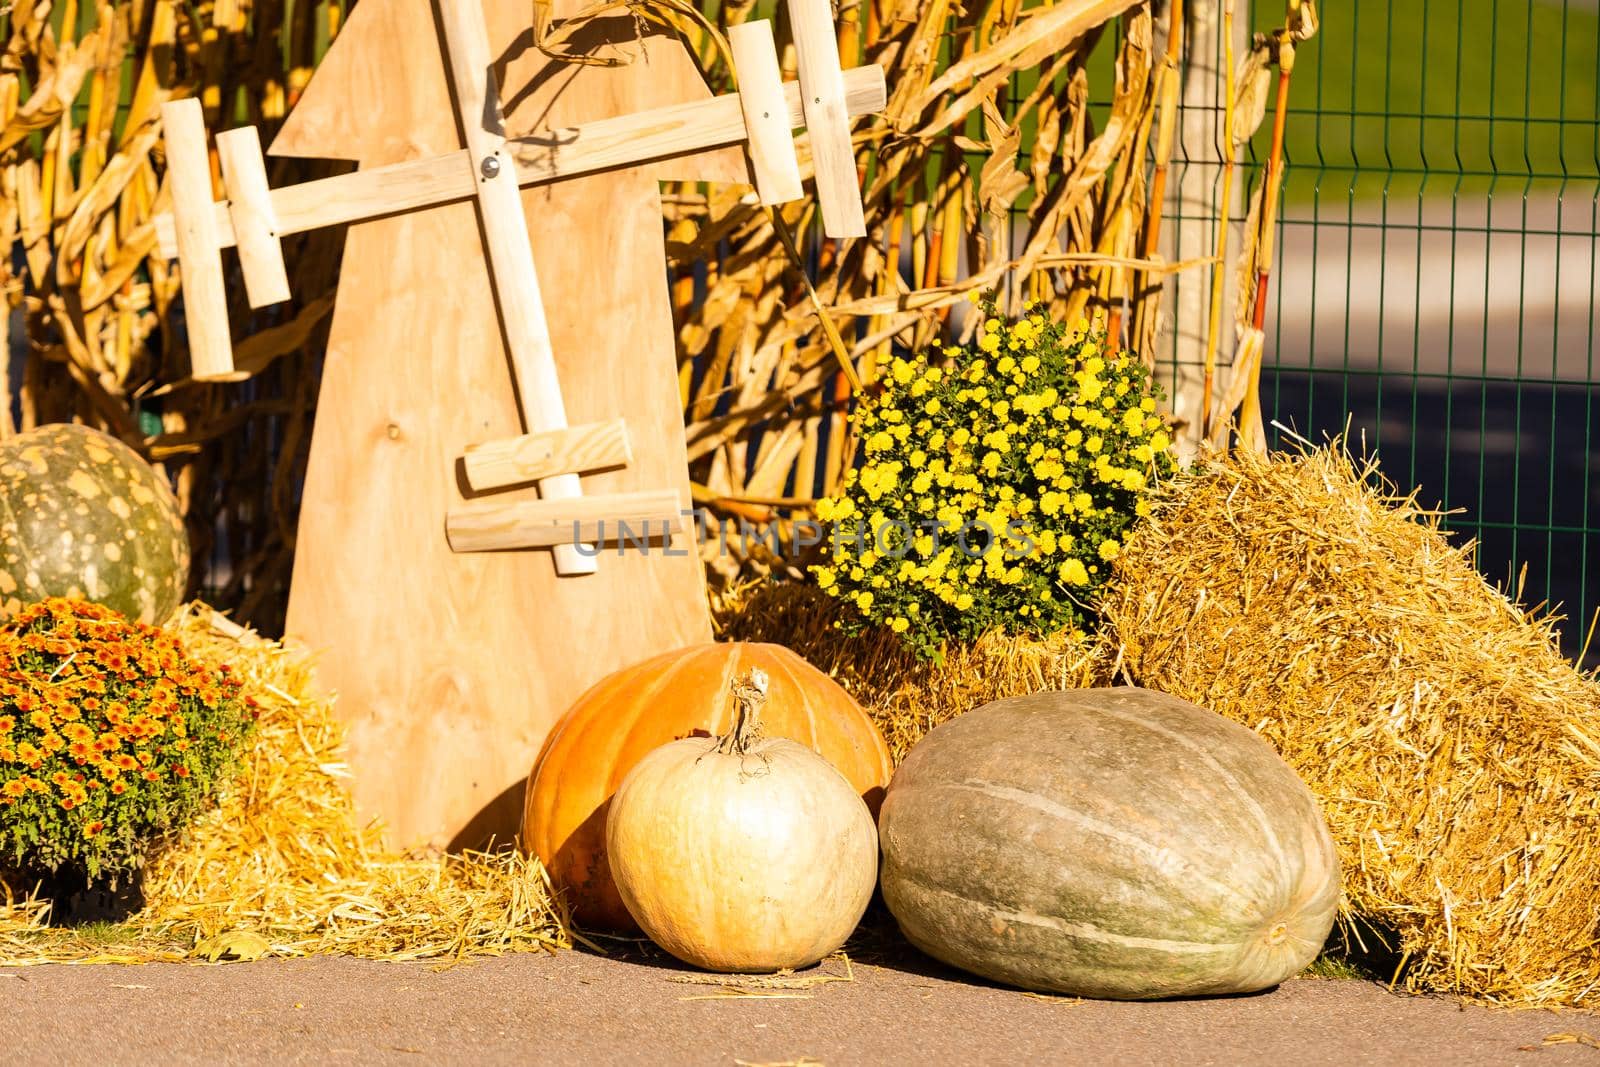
(110, 737)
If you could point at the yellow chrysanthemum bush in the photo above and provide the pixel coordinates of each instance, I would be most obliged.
(998, 481)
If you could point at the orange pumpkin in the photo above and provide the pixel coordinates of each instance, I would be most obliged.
(686, 693)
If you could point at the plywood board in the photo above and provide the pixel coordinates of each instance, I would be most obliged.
(450, 668)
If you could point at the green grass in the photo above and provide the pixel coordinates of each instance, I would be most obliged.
(105, 934)
(1334, 966)
(98, 938)
(1428, 96)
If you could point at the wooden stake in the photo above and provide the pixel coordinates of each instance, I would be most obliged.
(519, 460)
(766, 116)
(505, 231)
(827, 118)
(1220, 270)
(205, 303)
(244, 177)
(498, 525)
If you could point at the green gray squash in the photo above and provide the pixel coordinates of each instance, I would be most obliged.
(1112, 843)
(81, 515)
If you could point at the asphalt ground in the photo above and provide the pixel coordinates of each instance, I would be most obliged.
(583, 1008)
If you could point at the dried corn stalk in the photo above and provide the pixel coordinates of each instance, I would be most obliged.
(1238, 413)
(989, 169)
(81, 168)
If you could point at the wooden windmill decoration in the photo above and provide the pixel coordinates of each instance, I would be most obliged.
(457, 611)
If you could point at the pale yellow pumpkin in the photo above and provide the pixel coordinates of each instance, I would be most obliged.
(739, 853)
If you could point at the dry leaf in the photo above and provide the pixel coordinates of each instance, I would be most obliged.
(242, 945)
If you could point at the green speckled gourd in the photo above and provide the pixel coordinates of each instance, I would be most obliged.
(81, 515)
(1113, 843)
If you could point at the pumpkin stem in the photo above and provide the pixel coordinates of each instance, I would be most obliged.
(749, 695)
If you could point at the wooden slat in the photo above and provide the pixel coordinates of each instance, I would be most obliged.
(244, 177)
(366, 194)
(766, 116)
(827, 118)
(669, 131)
(505, 235)
(518, 460)
(493, 526)
(564, 153)
(205, 302)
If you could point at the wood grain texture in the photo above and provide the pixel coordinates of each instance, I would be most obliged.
(615, 518)
(543, 157)
(517, 460)
(205, 301)
(510, 257)
(323, 126)
(769, 140)
(250, 211)
(365, 194)
(816, 47)
(668, 131)
(450, 667)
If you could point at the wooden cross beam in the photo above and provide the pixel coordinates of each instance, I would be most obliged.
(491, 168)
(659, 133)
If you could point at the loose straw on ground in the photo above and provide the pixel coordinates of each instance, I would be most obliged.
(286, 859)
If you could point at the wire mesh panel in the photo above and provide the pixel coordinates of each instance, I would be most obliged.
(1435, 289)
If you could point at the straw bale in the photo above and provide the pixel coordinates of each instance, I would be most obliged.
(906, 696)
(1456, 752)
(285, 857)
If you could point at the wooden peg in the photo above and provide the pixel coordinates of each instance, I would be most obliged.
(205, 301)
(518, 460)
(766, 113)
(255, 223)
(498, 525)
(505, 230)
(827, 119)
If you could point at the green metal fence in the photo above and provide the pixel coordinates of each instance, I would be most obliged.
(1436, 285)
